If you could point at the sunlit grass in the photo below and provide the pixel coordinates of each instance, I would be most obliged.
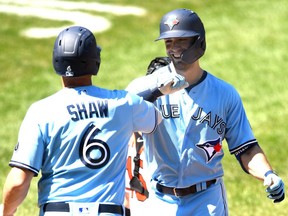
(246, 46)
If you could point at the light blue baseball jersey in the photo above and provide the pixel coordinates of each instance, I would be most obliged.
(186, 147)
(78, 138)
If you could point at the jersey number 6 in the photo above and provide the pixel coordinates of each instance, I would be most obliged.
(94, 153)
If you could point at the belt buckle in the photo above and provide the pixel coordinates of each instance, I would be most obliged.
(175, 192)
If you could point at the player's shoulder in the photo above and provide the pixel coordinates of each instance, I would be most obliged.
(44, 102)
(111, 93)
(216, 81)
(120, 95)
(225, 88)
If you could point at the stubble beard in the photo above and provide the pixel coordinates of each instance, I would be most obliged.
(179, 65)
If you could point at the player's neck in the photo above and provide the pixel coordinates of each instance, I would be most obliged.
(193, 73)
(71, 82)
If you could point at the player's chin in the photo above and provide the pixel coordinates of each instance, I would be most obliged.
(179, 64)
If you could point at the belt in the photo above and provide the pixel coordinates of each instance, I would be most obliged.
(64, 207)
(180, 192)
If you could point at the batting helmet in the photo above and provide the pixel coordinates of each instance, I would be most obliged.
(76, 53)
(181, 23)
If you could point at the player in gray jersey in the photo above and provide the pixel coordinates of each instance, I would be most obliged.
(183, 155)
(78, 137)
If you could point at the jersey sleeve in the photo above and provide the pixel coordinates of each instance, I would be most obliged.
(29, 149)
(239, 134)
(145, 115)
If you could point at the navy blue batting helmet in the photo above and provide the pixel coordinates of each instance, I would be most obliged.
(76, 52)
(181, 23)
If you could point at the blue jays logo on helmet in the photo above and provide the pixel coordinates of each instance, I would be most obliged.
(171, 21)
(211, 148)
(181, 23)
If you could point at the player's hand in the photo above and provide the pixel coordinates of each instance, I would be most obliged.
(275, 187)
(170, 83)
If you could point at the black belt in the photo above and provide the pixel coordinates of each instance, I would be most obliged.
(64, 207)
(180, 192)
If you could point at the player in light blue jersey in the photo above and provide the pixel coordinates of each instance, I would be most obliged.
(78, 137)
(183, 155)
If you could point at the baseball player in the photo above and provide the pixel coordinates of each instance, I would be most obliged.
(183, 155)
(78, 137)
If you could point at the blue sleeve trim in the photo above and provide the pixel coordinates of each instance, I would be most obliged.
(243, 147)
(156, 123)
(23, 166)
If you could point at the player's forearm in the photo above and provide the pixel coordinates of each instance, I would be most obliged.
(10, 204)
(150, 95)
(15, 190)
(12, 198)
(151, 87)
(255, 162)
(145, 87)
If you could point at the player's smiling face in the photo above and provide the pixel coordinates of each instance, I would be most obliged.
(175, 47)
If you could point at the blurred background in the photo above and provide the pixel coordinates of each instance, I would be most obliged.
(246, 46)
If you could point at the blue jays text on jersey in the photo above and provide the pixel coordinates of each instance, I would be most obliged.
(212, 120)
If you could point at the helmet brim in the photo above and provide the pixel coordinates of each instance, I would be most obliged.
(177, 34)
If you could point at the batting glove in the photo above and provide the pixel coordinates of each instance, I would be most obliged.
(170, 83)
(275, 187)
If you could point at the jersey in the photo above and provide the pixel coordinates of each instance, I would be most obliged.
(78, 138)
(186, 148)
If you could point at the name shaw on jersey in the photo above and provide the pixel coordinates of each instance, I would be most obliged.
(98, 109)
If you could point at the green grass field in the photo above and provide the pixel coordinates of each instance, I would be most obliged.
(246, 46)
